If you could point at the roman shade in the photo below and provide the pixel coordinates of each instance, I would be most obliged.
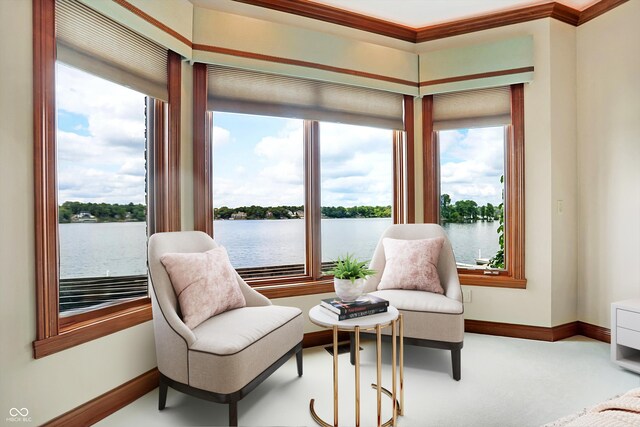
(87, 40)
(243, 91)
(472, 109)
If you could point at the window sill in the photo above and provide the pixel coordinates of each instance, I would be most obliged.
(296, 289)
(499, 281)
(96, 328)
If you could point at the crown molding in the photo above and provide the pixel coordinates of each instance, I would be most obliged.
(362, 22)
(498, 19)
(337, 16)
(598, 9)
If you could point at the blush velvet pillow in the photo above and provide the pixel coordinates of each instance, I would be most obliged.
(412, 264)
(205, 284)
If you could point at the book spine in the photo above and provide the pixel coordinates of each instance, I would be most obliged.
(358, 309)
(357, 314)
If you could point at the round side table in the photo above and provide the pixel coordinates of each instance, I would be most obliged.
(392, 318)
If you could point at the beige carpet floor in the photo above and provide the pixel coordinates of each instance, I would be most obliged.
(505, 382)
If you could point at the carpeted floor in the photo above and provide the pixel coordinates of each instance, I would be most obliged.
(505, 382)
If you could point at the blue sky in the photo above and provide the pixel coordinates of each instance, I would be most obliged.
(100, 138)
(471, 163)
(257, 160)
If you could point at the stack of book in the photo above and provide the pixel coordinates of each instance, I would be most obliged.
(364, 306)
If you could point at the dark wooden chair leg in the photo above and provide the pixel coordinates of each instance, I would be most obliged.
(162, 395)
(299, 362)
(352, 347)
(233, 414)
(456, 363)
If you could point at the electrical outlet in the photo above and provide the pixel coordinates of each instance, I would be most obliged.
(466, 295)
(560, 207)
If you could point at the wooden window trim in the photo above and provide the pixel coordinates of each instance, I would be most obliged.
(514, 275)
(54, 334)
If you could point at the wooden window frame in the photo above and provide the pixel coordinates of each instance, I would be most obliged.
(313, 281)
(54, 334)
(513, 276)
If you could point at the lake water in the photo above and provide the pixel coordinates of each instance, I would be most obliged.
(119, 249)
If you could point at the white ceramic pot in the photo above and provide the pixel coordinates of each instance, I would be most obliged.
(348, 290)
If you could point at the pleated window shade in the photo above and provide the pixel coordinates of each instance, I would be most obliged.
(87, 40)
(251, 92)
(472, 109)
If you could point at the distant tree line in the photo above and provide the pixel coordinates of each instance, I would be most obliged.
(467, 210)
(290, 212)
(103, 212)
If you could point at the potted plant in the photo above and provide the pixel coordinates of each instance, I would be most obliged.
(349, 275)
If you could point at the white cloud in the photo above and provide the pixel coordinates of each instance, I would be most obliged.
(356, 168)
(220, 136)
(472, 163)
(103, 162)
(356, 165)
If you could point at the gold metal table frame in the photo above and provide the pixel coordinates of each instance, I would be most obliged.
(397, 327)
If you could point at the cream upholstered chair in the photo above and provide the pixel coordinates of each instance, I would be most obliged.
(228, 355)
(430, 319)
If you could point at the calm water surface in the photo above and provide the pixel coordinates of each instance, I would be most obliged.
(119, 249)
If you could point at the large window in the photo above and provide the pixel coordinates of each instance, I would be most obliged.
(471, 194)
(106, 155)
(262, 200)
(101, 146)
(474, 180)
(302, 172)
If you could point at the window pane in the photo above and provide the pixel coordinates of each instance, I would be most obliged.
(471, 193)
(101, 191)
(356, 168)
(258, 193)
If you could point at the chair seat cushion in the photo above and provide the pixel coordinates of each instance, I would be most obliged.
(234, 330)
(234, 347)
(420, 301)
(427, 316)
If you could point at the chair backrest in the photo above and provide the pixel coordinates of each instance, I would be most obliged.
(164, 295)
(447, 269)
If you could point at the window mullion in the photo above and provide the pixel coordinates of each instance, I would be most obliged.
(398, 178)
(431, 162)
(312, 198)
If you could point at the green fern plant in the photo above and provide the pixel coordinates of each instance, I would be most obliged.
(348, 267)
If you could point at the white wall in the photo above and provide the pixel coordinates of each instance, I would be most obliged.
(564, 218)
(55, 384)
(608, 58)
(530, 306)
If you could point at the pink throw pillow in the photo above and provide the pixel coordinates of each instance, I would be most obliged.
(412, 264)
(205, 284)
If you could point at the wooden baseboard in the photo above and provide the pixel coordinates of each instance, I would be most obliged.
(110, 402)
(594, 332)
(539, 333)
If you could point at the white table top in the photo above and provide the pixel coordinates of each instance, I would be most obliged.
(320, 316)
